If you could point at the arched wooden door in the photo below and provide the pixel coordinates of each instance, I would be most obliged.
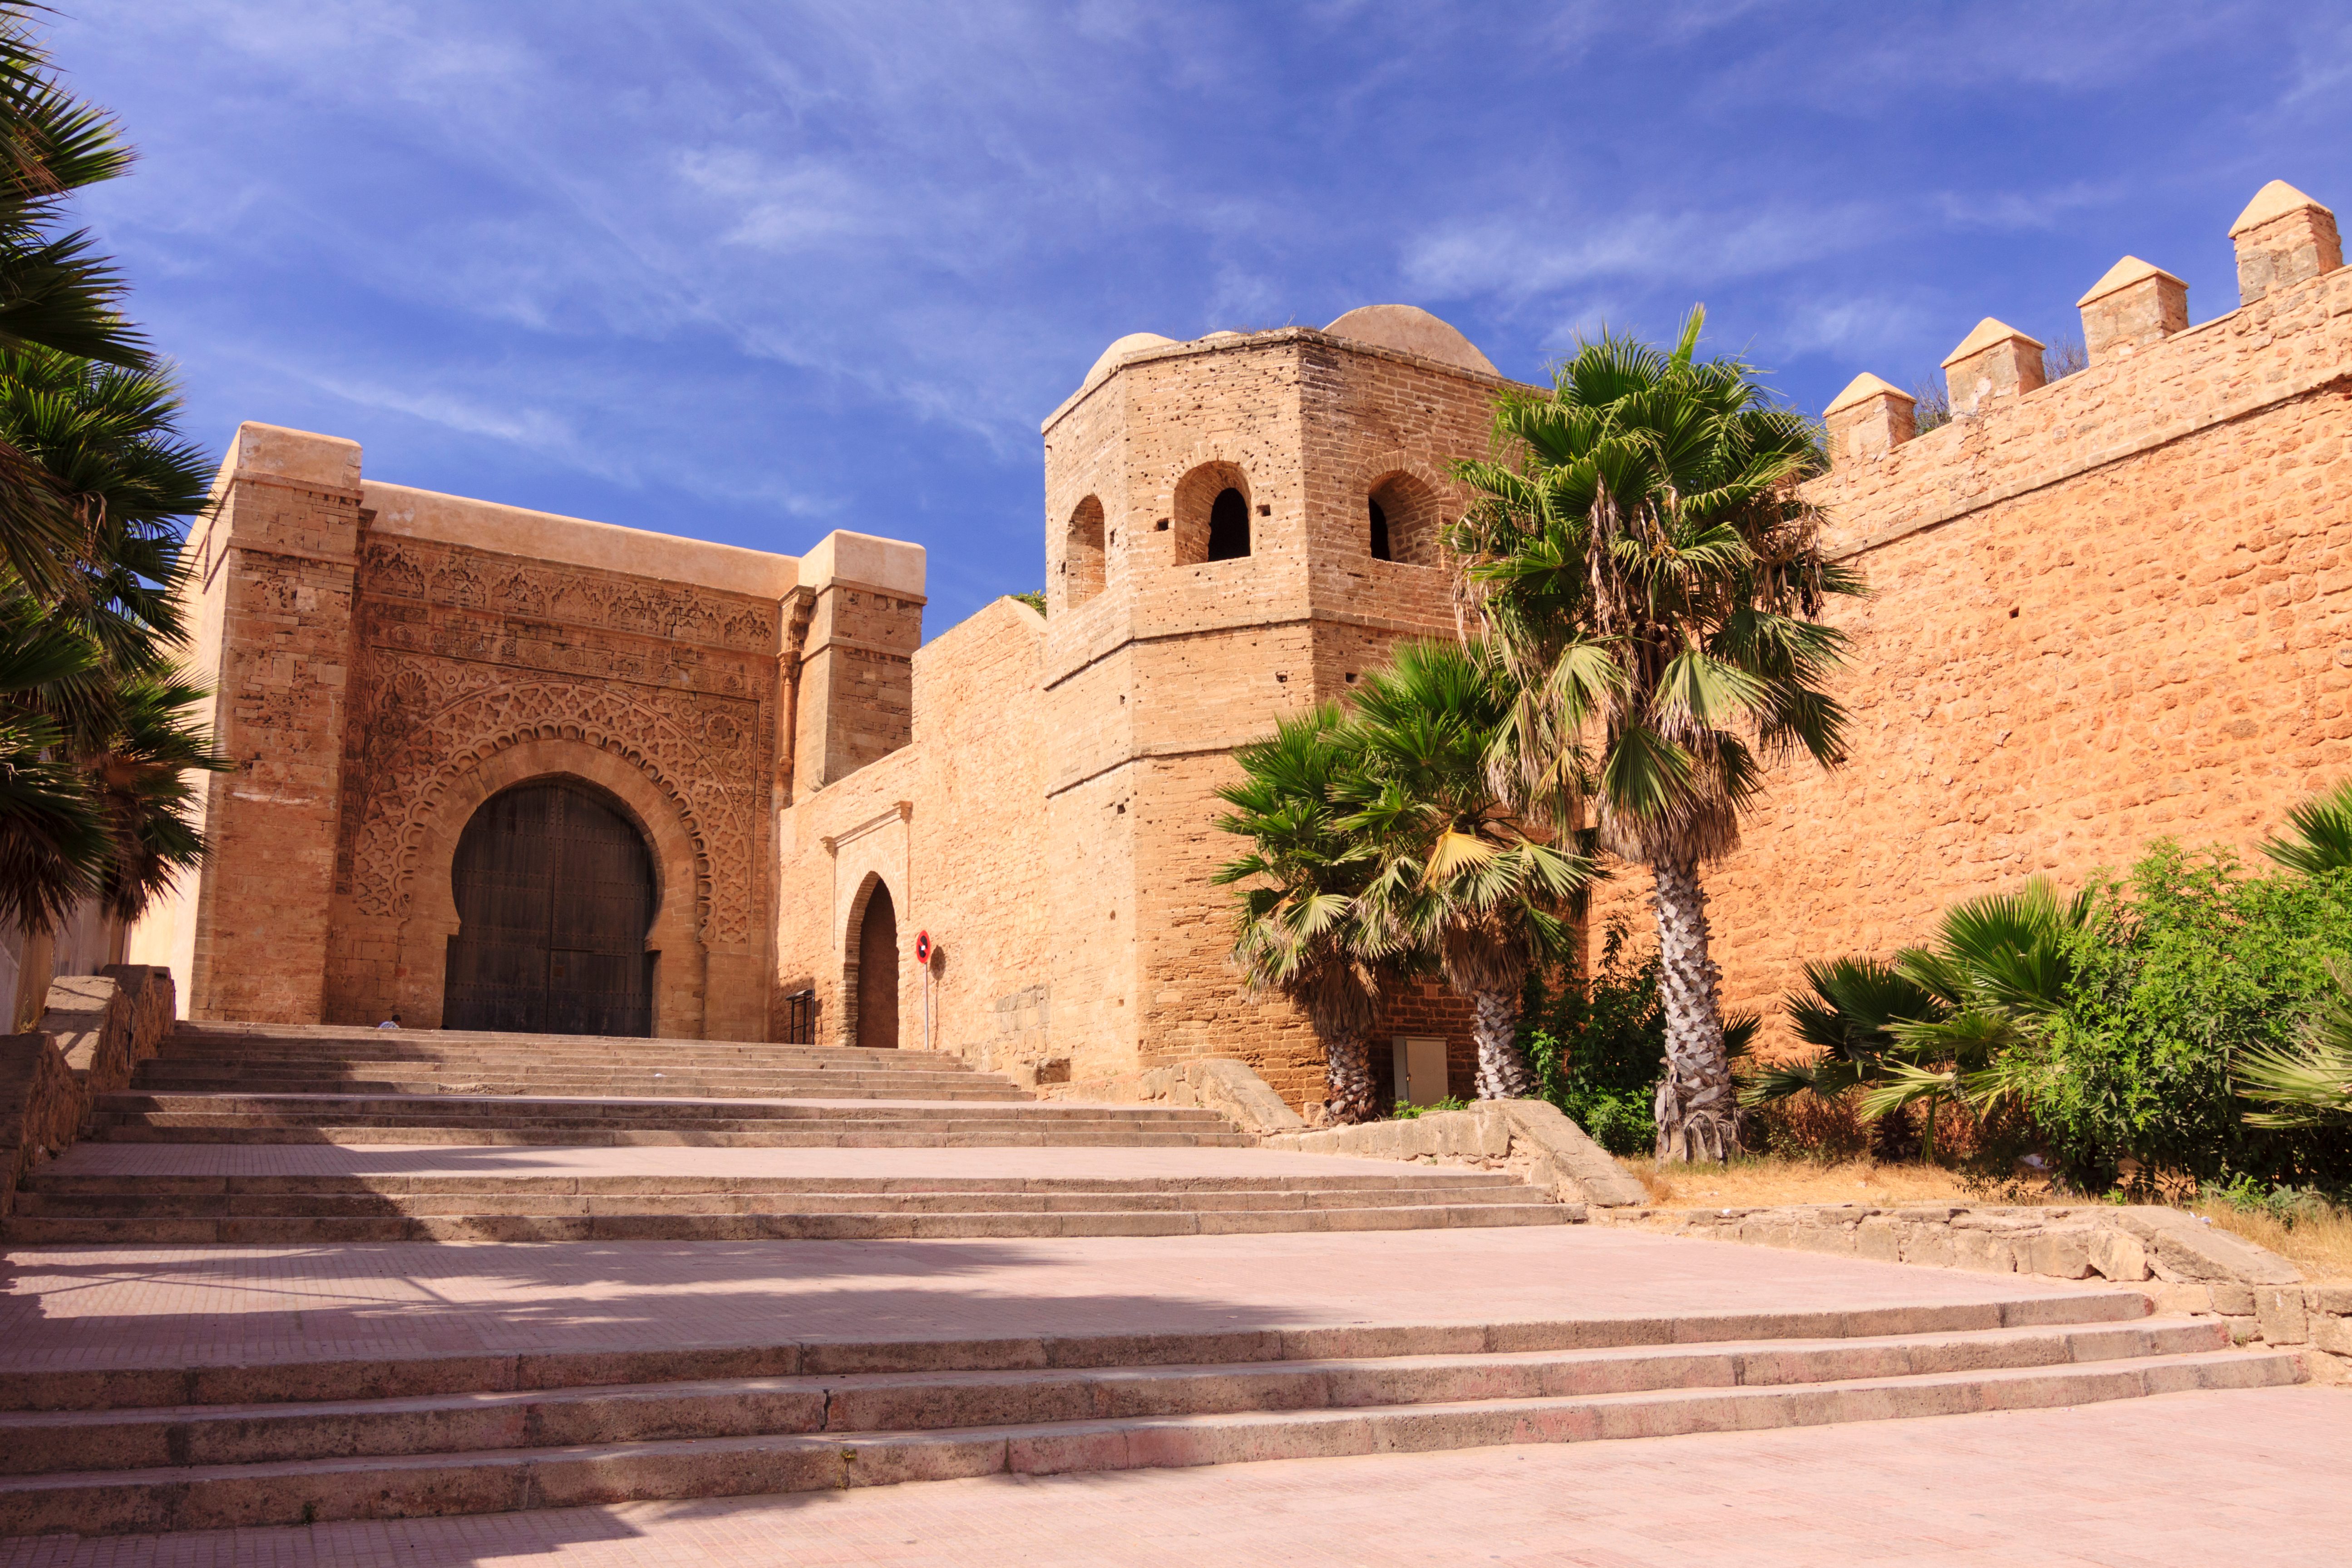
(877, 972)
(555, 891)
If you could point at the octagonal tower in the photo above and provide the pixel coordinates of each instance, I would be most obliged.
(1237, 528)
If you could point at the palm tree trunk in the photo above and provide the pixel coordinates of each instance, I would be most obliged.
(1347, 1074)
(1697, 1111)
(1503, 1070)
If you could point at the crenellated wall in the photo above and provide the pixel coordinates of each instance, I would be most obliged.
(2106, 609)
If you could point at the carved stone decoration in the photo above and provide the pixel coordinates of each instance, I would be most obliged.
(428, 727)
(464, 654)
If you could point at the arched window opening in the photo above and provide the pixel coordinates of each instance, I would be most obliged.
(1082, 560)
(1229, 529)
(555, 892)
(1406, 526)
(1210, 514)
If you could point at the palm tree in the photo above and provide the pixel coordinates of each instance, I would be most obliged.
(1848, 1013)
(1462, 881)
(2320, 840)
(56, 290)
(54, 841)
(1648, 575)
(1298, 926)
(1941, 1025)
(2310, 1084)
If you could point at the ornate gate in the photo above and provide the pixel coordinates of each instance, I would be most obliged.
(555, 891)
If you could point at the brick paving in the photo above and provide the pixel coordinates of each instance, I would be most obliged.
(2250, 1479)
(93, 1308)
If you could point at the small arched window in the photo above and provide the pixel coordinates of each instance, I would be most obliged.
(1209, 515)
(1406, 526)
(1082, 553)
(1229, 529)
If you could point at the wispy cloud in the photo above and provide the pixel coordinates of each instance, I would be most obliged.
(747, 268)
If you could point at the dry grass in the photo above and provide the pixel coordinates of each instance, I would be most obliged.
(2320, 1244)
(1749, 1184)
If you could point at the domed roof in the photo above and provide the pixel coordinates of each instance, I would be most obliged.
(1411, 330)
(1134, 343)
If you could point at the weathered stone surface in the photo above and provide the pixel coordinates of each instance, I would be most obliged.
(2280, 1309)
(1596, 1177)
(1216, 1083)
(2118, 1257)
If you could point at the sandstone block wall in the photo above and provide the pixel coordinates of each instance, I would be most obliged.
(273, 565)
(387, 659)
(1152, 679)
(954, 826)
(2112, 608)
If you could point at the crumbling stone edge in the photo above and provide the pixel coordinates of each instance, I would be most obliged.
(2181, 1262)
(1532, 1136)
(94, 1031)
(1214, 1083)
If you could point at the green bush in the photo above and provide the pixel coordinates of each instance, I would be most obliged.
(2186, 962)
(1406, 1110)
(1600, 1049)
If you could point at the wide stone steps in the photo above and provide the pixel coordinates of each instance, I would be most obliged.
(118, 1211)
(97, 1453)
(590, 1120)
(641, 1086)
(227, 1058)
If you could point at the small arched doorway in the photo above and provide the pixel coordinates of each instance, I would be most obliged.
(877, 972)
(555, 890)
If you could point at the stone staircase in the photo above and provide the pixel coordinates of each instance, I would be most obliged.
(216, 1085)
(216, 1446)
(275, 1211)
(250, 1084)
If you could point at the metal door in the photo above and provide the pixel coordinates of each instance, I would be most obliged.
(555, 892)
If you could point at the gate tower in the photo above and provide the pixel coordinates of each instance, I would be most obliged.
(1237, 527)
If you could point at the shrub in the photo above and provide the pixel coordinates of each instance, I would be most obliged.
(1598, 1049)
(2184, 963)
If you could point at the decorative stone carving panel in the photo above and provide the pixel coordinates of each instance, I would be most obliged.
(465, 653)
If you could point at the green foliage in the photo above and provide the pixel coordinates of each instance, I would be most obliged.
(2320, 836)
(1035, 599)
(1406, 1110)
(2311, 1085)
(2184, 969)
(1299, 916)
(1600, 1048)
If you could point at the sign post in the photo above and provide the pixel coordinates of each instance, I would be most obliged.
(923, 957)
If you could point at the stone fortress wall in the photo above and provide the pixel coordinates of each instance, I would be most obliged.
(387, 658)
(2111, 609)
(2103, 610)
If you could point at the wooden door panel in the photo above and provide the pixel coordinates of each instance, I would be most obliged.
(555, 892)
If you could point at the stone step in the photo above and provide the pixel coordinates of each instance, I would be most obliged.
(338, 1206)
(1406, 1178)
(313, 1107)
(47, 1442)
(869, 1061)
(246, 1382)
(892, 1225)
(179, 1078)
(589, 1462)
(765, 1135)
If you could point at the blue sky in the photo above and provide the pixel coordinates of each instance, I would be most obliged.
(751, 271)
